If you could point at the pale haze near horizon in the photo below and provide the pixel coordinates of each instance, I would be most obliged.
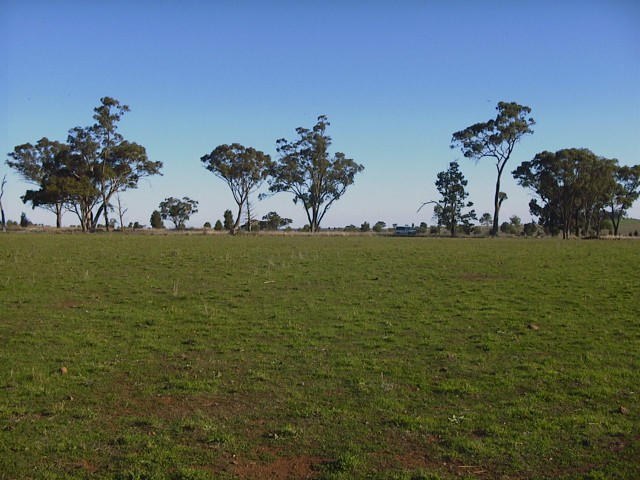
(395, 82)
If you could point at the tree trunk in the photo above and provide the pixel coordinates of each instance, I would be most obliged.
(234, 228)
(2, 217)
(105, 213)
(58, 215)
(496, 208)
(613, 221)
(248, 215)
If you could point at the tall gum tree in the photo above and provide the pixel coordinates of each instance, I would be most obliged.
(121, 164)
(495, 139)
(306, 170)
(244, 169)
(625, 192)
(571, 188)
(41, 165)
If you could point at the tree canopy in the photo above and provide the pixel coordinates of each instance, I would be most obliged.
(41, 165)
(306, 170)
(244, 169)
(496, 139)
(572, 187)
(83, 175)
(449, 210)
(178, 211)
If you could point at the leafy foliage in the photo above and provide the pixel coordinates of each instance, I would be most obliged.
(449, 210)
(273, 221)
(156, 220)
(228, 219)
(623, 194)
(84, 174)
(306, 170)
(572, 187)
(178, 211)
(496, 139)
(40, 165)
(379, 226)
(242, 168)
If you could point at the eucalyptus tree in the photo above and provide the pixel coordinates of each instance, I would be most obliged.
(273, 221)
(625, 192)
(177, 210)
(41, 165)
(449, 209)
(572, 187)
(306, 170)
(244, 169)
(121, 164)
(84, 174)
(486, 219)
(495, 139)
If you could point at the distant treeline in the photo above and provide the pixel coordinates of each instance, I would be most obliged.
(575, 189)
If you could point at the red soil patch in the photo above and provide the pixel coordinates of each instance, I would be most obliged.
(284, 468)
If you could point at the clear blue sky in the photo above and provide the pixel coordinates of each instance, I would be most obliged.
(395, 79)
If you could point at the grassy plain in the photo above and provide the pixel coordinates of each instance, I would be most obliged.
(192, 357)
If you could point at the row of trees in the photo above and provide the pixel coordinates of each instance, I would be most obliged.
(86, 174)
(305, 169)
(575, 189)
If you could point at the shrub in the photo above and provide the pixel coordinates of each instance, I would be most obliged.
(350, 228)
(379, 226)
(207, 225)
(530, 228)
(365, 227)
(24, 221)
(156, 220)
(433, 230)
(218, 226)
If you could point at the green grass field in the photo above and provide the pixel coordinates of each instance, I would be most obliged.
(193, 357)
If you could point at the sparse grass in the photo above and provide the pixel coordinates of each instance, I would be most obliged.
(194, 357)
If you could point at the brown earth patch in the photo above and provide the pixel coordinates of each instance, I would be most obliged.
(131, 401)
(69, 304)
(283, 468)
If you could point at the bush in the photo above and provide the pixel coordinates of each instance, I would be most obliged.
(207, 225)
(530, 228)
(423, 228)
(350, 228)
(505, 227)
(218, 226)
(635, 233)
(365, 227)
(433, 230)
(24, 221)
(379, 226)
(156, 220)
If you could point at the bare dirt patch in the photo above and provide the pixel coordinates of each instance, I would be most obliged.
(283, 468)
